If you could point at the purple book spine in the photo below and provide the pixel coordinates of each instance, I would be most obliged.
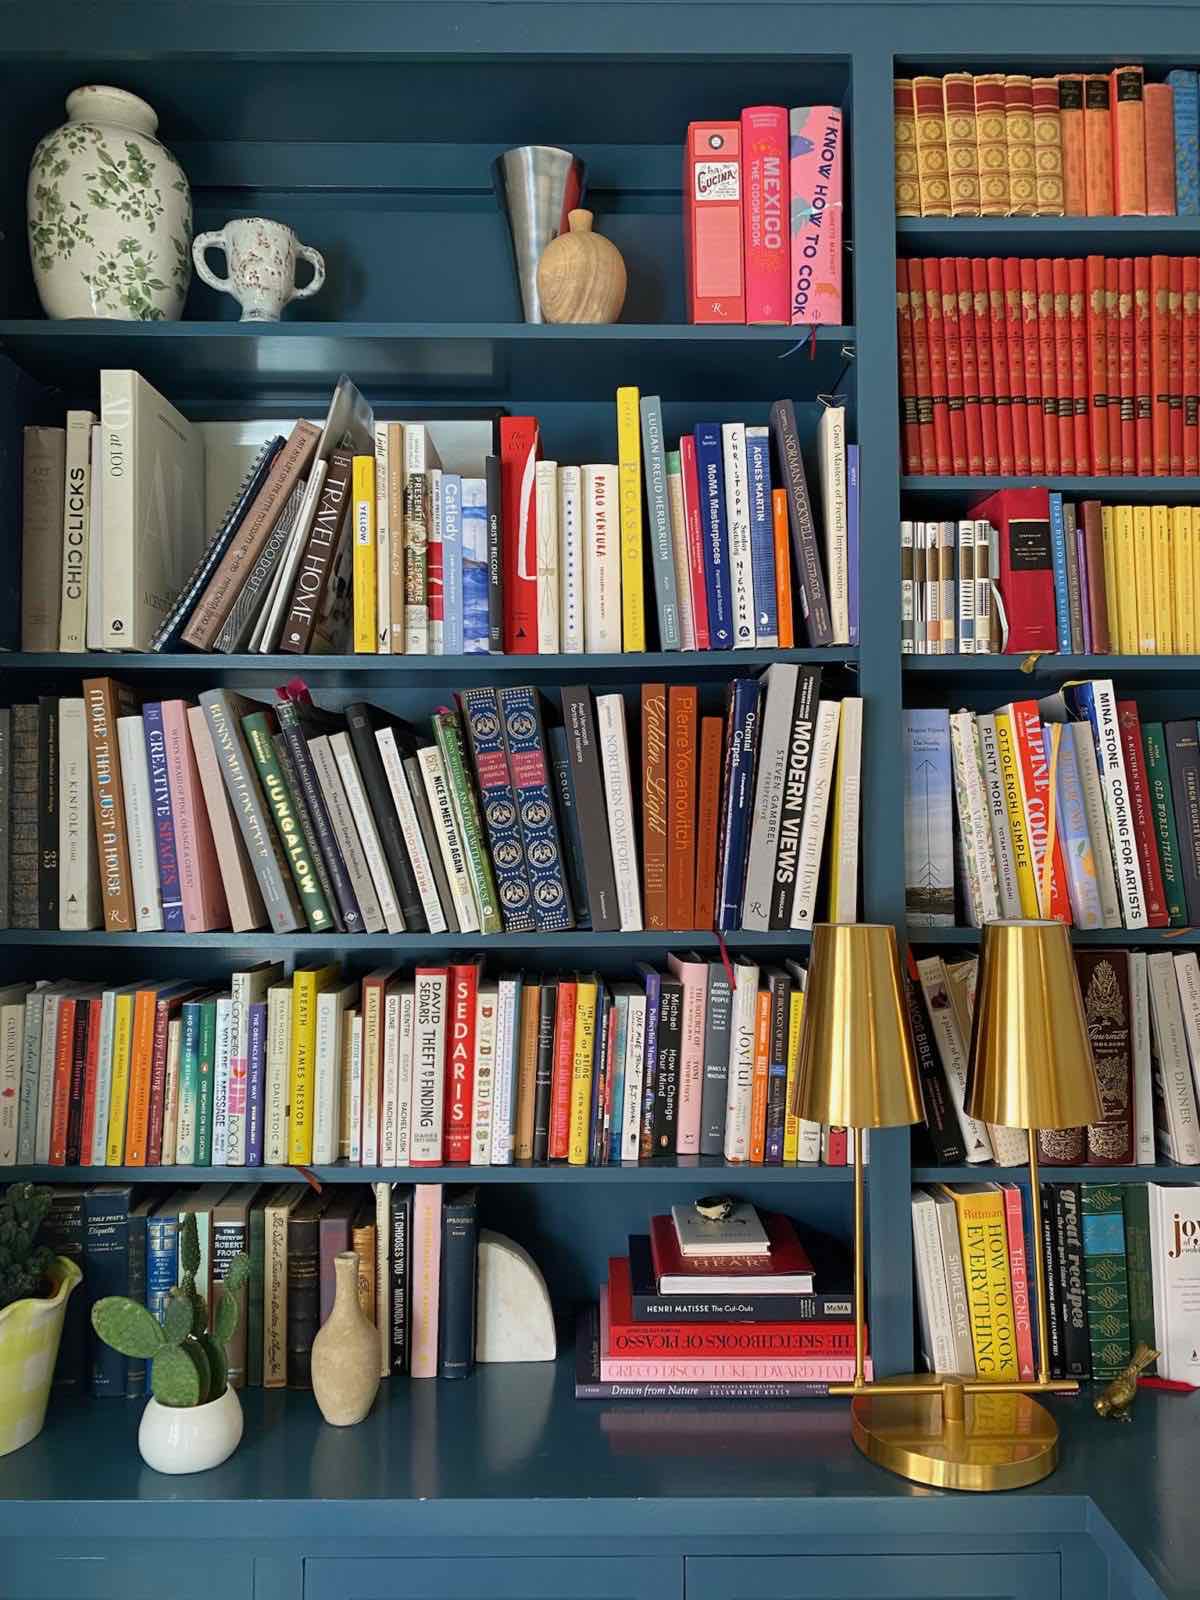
(256, 1067)
(852, 536)
(164, 818)
(1084, 588)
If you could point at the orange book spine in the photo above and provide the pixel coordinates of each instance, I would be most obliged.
(1044, 268)
(1018, 126)
(1158, 106)
(1077, 278)
(916, 298)
(1175, 360)
(910, 437)
(1128, 141)
(60, 1104)
(681, 805)
(991, 133)
(708, 807)
(908, 187)
(981, 310)
(1064, 397)
(1097, 145)
(935, 324)
(1010, 269)
(962, 145)
(1112, 353)
(1002, 383)
(1160, 386)
(141, 1057)
(1032, 358)
(1074, 159)
(939, 281)
(1047, 149)
(970, 363)
(1097, 365)
(783, 562)
(760, 1081)
(1191, 365)
(654, 804)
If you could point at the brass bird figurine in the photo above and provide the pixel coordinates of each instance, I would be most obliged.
(1117, 1397)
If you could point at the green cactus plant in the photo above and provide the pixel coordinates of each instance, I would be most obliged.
(188, 1363)
(24, 1264)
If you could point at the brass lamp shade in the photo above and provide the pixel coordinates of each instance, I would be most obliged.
(1031, 1062)
(856, 1066)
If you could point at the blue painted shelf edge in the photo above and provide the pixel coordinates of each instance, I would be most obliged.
(581, 939)
(658, 1172)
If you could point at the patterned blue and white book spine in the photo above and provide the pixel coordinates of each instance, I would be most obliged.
(529, 772)
(164, 820)
(710, 473)
(762, 536)
(1058, 551)
(1186, 86)
(452, 564)
(741, 725)
(474, 512)
(485, 732)
(852, 537)
(162, 1265)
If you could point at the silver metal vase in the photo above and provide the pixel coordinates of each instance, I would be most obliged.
(536, 185)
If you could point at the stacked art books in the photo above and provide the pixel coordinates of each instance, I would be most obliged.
(1082, 366)
(1096, 144)
(416, 1248)
(1120, 1272)
(443, 538)
(740, 1308)
(408, 1066)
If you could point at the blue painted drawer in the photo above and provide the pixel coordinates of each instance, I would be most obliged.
(138, 1571)
(484, 1578)
(875, 1577)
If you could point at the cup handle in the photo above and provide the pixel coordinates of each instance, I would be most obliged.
(202, 243)
(317, 261)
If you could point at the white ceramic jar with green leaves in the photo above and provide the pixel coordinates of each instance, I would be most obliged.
(110, 213)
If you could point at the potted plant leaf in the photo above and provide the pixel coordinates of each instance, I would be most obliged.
(34, 1287)
(193, 1419)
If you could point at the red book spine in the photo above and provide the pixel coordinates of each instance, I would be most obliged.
(970, 364)
(1077, 306)
(60, 1105)
(942, 273)
(1010, 269)
(1175, 360)
(1158, 108)
(981, 310)
(158, 1086)
(1019, 1271)
(460, 1063)
(694, 529)
(1046, 356)
(916, 295)
(1112, 359)
(712, 223)
(836, 1152)
(1065, 396)
(1031, 347)
(1143, 366)
(78, 1072)
(1001, 381)
(766, 241)
(1021, 518)
(1097, 366)
(560, 1082)
(1191, 367)
(1127, 341)
(87, 1127)
(935, 328)
(1160, 362)
(1035, 775)
(1143, 818)
(520, 447)
(910, 429)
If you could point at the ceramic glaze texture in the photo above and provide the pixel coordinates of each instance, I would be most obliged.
(179, 1439)
(345, 1353)
(261, 257)
(110, 214)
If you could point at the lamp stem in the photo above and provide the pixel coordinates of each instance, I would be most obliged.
(1039, 1257)
(860, 1298)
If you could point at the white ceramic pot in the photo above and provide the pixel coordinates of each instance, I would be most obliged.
(190, 1438)
(110, 213)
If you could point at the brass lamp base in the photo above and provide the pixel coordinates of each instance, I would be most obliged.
(951, 1439)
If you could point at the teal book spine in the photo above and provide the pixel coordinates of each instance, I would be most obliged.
(1162, 811)
(1186, 87)
(204, 1083)
(1139, 1267)
(1105, 1282)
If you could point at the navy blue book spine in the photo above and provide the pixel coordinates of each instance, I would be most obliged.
(568, 817)
(162, 1259)
(741, 732)
(529, 772)
(653, 982)
(105, 1272)
(63, 1232)
(710, 473)
(485, 736)
(779, 987)
(164, 818)
(456, 1310)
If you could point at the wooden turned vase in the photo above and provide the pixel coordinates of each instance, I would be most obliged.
(581, 275)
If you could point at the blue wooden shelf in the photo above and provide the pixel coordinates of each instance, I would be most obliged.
(667, 1170)
(1171, 938)
(579, 942)
(1116, 489)
(1161, 1172)
(1050, 666)
(1043, 236)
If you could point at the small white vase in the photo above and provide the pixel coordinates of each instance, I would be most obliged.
(345, 1353)
(110, 213)
(190, 1438)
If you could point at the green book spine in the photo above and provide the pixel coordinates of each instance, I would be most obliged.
(447, 730)
(1135, 1200)
(1158, 777)
(204, 1083)
(1104, 1278)
(297, 849)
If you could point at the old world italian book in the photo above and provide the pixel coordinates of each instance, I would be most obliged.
(1047, 148)
(962, 148)
(1104, 982)
(501, 820)
(992, 136)
(908, 189)
(316, 559)
(42, 496)
(1018, 120)
(1074, 161)
(1106, 1287)
(654, 803)
(106, 701)
(303, 1287)
(814, 603)
(983, 1239)
(1159, 114)
(932, 168)
(1126, 91)
(1098, 144)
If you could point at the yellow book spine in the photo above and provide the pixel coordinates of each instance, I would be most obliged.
(629, 479)
(1196, 570)
(1164, 579)
(1112, 590)
(791, 1124)
(114, 1149)
(365, 557)
(984, 1240)
(1143, 578)
(581, 1072)
(307, 983)
(1184, 586)
(1014, 800)
(1126, 576)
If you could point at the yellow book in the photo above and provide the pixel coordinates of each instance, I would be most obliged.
(629, 471)
(307, 983)
(791, 1124)
(118, 1097)
(983, 1236)
(1196, 570)
(1143, 578)
(1164, 579)
(1126, 580)
(1182, 551)
(365, 557)
(1014, 800)
(1112, 591)
(581, 1071)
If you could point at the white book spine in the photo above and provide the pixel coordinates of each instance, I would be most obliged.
(239, 1045)
(908, 612)
(119, 477)
(108, 1008)
(327, 1076)
(414, 839)
(618, 792)
(171, 1093)
(1142, 1059)
(454, 858)
(139, 824)
(429, 1062)
(634, 1081)
(368, 835)
(383, 545)
(1175, 1032)
(508, 1015)
(1114, 782)
(221, 1055)
(570, 559)
(278, 1074)
(774, 744)
(739, 1087)
(546, 501)
(843, 892)
(1080, 734)
(356, 1077)
(933, 1298)
(966, 588)
(952, 1053)
(78, 883)
(486, 1019)
(831, 441)
(342, 823)
(985, 548)
(974, 819)
(993, 782)
(389, 1084)
(816, 810)
(956, 1285)
(404, 1075)
(270, 617)
(94, 620)
(77, 506)
(737, 521)
(12, 1032)
(602, 561)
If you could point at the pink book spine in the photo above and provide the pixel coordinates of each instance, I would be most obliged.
(816, 214)
(765, 213)
(694, 977)
(1019, 1272)
(695, 538)
(427, 1263)
(246, 909)
(204, 903)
